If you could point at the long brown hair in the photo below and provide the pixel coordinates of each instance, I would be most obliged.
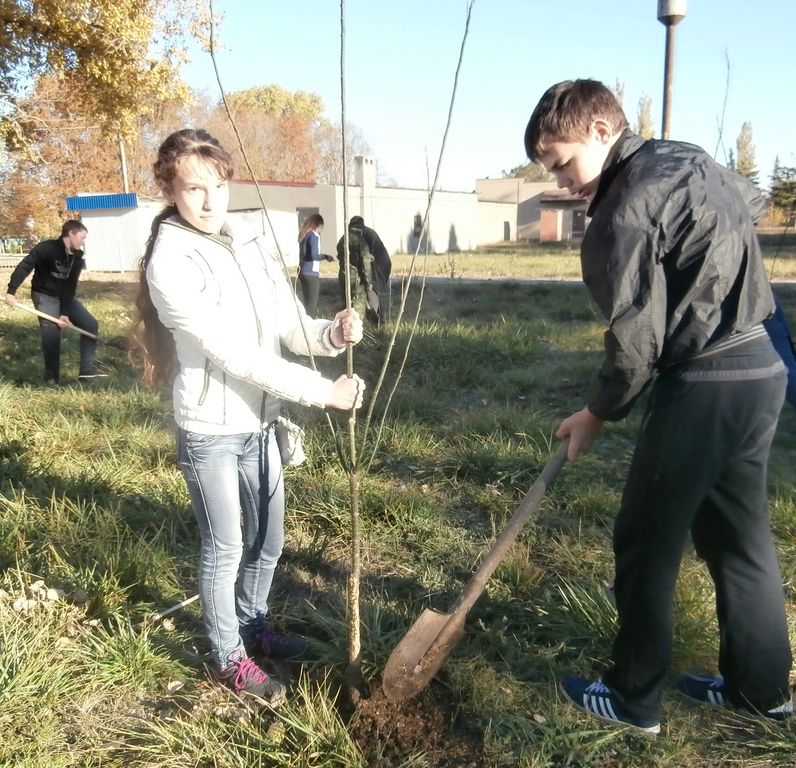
(312, 222)
(149, 333)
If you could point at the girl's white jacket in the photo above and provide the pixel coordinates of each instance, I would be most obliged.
(230, 311)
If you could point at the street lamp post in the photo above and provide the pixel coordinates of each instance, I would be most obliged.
(670, 14)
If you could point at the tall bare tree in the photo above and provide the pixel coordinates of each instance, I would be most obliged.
(619, 91)
(328, 140)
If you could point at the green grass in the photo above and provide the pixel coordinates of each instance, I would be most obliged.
(561, 261)
(96, 535)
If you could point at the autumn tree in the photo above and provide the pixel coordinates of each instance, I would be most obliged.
(116, 57)
(66, 153)
(644, 126)
(329, 143)
(276, 101)
(745, 157)
(529, 172)
(285, 135)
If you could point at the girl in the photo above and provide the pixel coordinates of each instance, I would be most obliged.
(310, 257)
(215, 310)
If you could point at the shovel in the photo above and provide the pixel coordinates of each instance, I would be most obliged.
(425, 647)
(120, 342)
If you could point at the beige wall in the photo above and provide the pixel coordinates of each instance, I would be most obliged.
(282, 230)
(510, 190)
(525, 195)
(457, 220)
(453, 222)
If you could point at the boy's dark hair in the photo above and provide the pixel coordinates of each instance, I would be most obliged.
(73, 225)
(566, 112)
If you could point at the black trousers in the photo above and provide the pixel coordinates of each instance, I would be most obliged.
(310, 288)
(700, 467)
(51, 333)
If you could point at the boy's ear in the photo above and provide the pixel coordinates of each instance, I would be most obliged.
(601, 130)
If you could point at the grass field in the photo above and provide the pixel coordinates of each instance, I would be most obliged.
(562, 262)
(96, 535)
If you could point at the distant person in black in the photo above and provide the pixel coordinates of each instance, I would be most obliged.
(370, 270)
(56, 266)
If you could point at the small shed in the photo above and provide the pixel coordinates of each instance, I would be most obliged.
(118, 227)
(562, 216)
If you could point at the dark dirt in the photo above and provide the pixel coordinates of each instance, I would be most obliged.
(388, 732)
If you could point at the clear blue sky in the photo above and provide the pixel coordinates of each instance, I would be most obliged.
(401, 57)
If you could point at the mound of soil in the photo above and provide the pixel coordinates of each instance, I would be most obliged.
(388, 732)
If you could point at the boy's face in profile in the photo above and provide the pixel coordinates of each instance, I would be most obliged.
(577, 165)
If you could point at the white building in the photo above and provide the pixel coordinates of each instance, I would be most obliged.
(458, 221)
(498, 210)
(119, 226)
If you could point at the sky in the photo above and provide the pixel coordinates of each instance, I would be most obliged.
(400, 60)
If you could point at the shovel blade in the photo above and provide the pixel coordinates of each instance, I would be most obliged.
(420, 654)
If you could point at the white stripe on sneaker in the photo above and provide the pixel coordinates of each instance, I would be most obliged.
(715, 697)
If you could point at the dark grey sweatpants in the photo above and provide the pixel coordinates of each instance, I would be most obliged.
(51, 333)
(700, 467)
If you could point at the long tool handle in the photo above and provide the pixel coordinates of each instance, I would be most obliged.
(34, 311)
(526, 507)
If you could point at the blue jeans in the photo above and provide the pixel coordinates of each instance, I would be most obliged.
(236, 487)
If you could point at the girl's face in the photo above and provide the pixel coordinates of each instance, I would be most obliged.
(200, 194)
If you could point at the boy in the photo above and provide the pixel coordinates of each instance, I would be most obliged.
(671, 258)
(56, 265)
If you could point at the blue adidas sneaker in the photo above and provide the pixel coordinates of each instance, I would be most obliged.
(711, 691)
(596, 699)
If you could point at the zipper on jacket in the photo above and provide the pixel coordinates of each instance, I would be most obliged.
(206, 384)
(206, 387)
(208, 364)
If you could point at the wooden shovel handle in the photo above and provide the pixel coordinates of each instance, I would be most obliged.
(524, 510)
(38, 313)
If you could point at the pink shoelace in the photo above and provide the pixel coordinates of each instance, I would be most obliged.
(247, 673)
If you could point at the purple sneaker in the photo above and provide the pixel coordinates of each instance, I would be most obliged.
(274, 645)
(245, 678)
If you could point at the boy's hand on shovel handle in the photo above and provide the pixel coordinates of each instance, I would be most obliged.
(582, 428)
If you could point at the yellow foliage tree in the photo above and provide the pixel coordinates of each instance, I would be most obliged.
(116, 57)
(286, 135)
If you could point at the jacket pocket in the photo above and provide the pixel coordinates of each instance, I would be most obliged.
(212, 403)
(205, 383)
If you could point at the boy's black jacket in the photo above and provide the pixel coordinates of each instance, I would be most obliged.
(672, 259)
(55, 272)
